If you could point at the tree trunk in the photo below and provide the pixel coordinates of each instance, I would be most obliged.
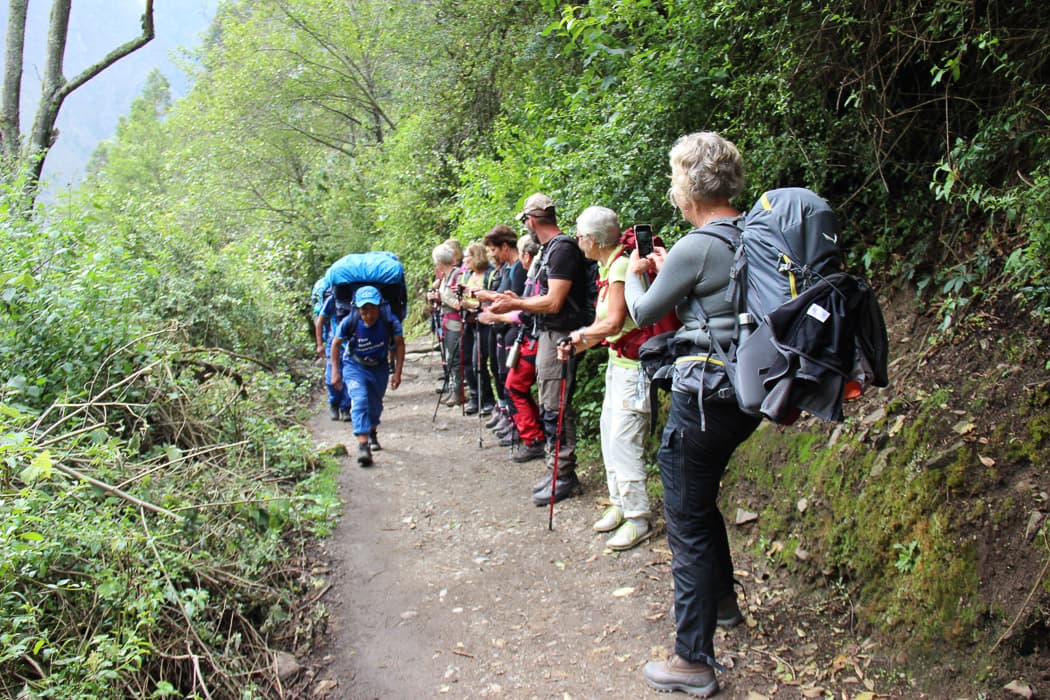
(10, 127)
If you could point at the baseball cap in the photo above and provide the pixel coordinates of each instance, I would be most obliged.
(367, 295)
(536, 205)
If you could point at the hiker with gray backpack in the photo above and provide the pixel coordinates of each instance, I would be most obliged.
(706, 173)
(771, 327)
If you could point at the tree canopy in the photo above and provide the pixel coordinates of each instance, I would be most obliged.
(361, 124)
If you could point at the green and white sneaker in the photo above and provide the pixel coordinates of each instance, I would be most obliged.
(632, 533)
(611, 519)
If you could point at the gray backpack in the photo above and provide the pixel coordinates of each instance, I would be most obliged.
(787, 246)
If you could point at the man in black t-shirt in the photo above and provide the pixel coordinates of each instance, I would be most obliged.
(561, 306)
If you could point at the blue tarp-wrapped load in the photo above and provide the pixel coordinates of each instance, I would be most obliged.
(379, 269)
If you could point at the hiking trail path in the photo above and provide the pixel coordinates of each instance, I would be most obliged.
(445, 582)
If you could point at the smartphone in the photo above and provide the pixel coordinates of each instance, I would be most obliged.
(643, 239)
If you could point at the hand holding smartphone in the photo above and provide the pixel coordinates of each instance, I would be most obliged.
(643, 239)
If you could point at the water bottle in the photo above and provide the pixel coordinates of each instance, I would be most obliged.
(514, 354)
(515, 349)
(745, 325)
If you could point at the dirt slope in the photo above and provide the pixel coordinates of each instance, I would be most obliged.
(446, 582)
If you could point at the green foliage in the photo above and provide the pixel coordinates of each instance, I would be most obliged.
(589, 392)
(99, 317)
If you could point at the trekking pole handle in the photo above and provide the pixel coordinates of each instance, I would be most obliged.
(566, 342)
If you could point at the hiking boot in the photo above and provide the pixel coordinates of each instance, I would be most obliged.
(373, 442)
(344, 415)
(471, 408)
(566, 486)
(611, 519)
(364, 454)
(631, 534)
(507, 429)
(504, 424)
(525, 452)
(494, 421)
(452, 400)
(691, 677)
(487, 409)
(729, 614)
(333, 411)
(543, 483)
(509, 440)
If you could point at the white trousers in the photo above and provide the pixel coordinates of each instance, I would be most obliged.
(624, 427)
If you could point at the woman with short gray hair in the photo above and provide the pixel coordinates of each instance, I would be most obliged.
(446, 260)
(702, 428)
(624, 421)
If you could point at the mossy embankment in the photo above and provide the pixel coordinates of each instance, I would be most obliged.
(927, 506)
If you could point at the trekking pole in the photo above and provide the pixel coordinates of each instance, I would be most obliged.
(441, 391)
(477, 381)
(557, 437)
(460, 388)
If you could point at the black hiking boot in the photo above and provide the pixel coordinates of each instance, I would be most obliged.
(373, 442)
(364, 454)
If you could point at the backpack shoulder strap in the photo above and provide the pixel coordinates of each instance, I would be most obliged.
(387, 314)
(726, 230)
(351, 319)
(730, 232)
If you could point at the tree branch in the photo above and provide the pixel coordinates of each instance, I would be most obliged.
(56, 88)
(116, 54)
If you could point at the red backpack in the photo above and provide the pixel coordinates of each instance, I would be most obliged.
(627, 344)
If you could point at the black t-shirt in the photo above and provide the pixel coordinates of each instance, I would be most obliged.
(513, 279)
(562, 259)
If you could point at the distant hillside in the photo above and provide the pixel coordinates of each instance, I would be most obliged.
(90, 114)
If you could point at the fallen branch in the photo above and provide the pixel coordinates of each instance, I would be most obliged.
(230, 353)
(70, 471)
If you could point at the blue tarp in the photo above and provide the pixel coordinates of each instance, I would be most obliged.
(317, 294)
(376, 267)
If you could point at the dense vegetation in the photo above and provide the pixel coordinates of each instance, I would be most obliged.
(154, 482)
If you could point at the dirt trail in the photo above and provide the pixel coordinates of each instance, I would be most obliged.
(446, 582)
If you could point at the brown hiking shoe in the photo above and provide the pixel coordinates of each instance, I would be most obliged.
(691, 677)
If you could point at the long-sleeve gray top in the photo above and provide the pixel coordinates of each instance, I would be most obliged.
(696, 266)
